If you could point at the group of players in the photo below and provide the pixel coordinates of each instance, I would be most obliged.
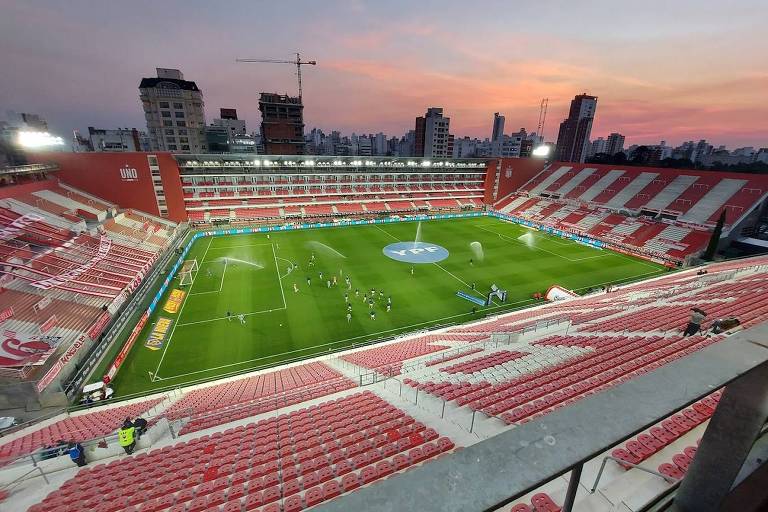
(333, 282)
(330, 283)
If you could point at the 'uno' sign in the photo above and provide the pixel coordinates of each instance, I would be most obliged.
(416, 252)
(129, 173)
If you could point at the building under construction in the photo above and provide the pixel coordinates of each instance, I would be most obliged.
(282, 124)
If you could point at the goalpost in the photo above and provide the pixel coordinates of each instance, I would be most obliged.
(188, 272)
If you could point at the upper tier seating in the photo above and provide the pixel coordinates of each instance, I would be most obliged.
(252, 197)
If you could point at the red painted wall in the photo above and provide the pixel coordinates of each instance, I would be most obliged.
(490, 179)
(24, 188)
(100, 174)
(520, 171)
(174, 195)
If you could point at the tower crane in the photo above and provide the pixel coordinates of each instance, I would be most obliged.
(298, 63)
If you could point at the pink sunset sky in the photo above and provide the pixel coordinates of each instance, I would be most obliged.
(662, 70)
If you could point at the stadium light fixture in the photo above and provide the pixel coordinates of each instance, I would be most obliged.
(36, 140)
(542, 150)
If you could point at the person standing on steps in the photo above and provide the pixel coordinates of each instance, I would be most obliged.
(125, 436)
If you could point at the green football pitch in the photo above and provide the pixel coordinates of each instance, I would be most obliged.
(265, 279)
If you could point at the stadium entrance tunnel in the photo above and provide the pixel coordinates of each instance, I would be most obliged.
(416, 252)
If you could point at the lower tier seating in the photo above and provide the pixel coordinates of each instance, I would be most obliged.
(81, 427)
(288, 462)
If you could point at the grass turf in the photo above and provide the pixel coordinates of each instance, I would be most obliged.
(249, 275)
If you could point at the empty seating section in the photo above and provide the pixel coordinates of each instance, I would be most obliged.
(615, 360)
(618, 336)
(263, 197)
(292, 461)
(303, 381)
(671, 429)
(628, 233)
(575, 197)
(80, 427)
(69, 255)
(71, 315)
(88, 265)
(389, 358)
(483, 362)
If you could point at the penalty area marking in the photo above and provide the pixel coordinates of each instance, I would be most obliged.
(279, 279)
(290, 268)
(221, 284)
(176, 323)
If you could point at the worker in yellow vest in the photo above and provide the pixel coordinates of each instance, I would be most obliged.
(125, 436)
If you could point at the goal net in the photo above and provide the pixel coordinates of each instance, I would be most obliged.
(188, 272)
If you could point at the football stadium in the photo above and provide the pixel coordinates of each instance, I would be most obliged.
(348, 333)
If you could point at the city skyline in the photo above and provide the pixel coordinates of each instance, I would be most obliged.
(379, 68)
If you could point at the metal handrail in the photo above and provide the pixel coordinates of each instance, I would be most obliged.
(625, 463)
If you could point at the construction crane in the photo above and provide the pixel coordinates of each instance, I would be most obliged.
(298, 63)
(542, 118)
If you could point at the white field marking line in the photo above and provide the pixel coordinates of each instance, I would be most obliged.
(386, 233)
(176, 323)
(279, 279)
(335, 342)
(261, 311)
(221, 284)
(511, 239)
(437, 265)
(236, 246)
(290, 269)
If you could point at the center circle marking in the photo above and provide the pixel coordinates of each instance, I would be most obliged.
(415, 252)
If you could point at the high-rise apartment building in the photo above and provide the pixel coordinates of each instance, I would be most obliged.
(173, 108)
(228, 119)
(121, 139)
(597, 146)
(282, 124)
(432, 134)
(573, 137)
(614, 144)
(498, 127)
